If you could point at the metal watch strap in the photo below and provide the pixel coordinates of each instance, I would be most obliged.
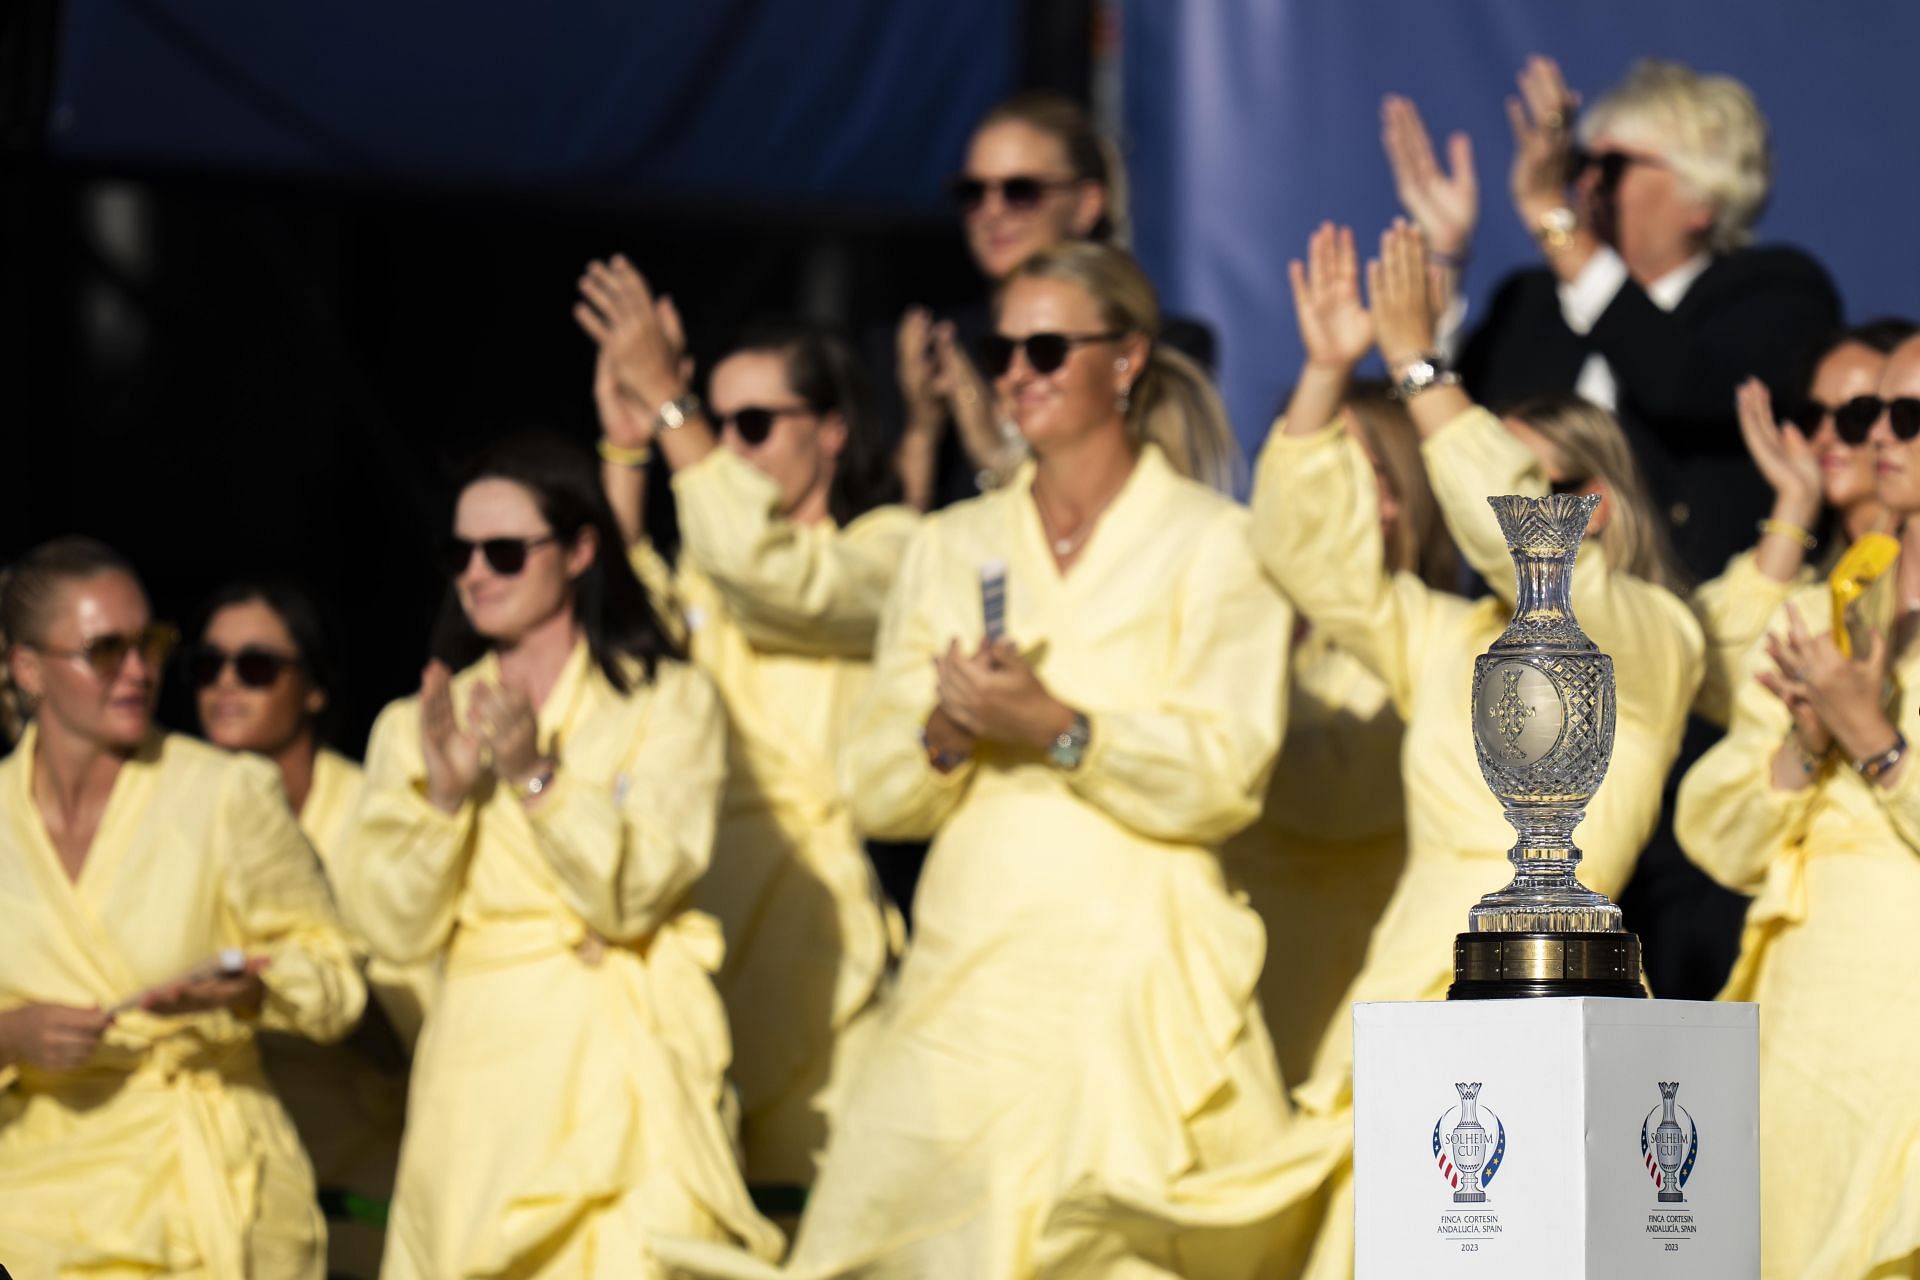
(1070, 748)
(673, 415)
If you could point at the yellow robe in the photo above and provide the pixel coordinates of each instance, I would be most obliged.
(1829, 952)
(1316, 527)
(782, 617)
(1077, 1015)
(348, 1100)
(1734, 610)
(1321, 863)
(167, 1153)
(565, 1101)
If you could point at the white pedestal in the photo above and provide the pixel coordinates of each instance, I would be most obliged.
(1565, 1179)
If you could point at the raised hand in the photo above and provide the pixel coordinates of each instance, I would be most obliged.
(1398, 287)
(1542, 120)
(52, 1037)
(1446, 204)
(624, 420)
(1782, 453)
(453, 755)
(914, 362)
(640, 335)
(1335, 328)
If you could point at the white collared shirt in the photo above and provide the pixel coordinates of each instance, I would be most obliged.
(1585, 298)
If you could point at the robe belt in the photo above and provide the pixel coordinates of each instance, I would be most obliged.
(668, 974)
(219, 1158)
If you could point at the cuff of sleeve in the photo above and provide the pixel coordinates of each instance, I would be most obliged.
(427, 811)
(1585, 298)
(724, 478)
(297, 990)
(1476, 445)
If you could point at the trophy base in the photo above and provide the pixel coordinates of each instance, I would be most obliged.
(1509, 966)
(1670, 1197)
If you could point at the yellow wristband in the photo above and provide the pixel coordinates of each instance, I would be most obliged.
(621, 454)
(1791, 531)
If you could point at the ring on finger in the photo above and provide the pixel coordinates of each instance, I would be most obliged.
(1554, 121)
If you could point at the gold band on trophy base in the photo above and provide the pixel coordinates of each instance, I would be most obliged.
(1502, 966)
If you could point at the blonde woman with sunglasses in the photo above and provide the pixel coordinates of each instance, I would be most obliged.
(161, 907)
(791, 538)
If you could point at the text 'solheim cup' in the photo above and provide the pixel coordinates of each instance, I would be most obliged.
(1543, 719)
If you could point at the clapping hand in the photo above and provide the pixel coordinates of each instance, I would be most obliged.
(454, 755)
(1833, 698)
(506, 723)
(1398, 285)
(1334, 327)
(994, 695)
(640, 336)
(1446, 205)
(1782, 453)
(1542, 120)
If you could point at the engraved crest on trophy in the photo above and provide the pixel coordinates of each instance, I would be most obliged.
(1543, 724)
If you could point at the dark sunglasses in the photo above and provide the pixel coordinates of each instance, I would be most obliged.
(106, 654)
(1851, 421)
(506, 556)
(1854, 420)
(1045, 352)
(1613, 165)
(1569, 486)
(1021, 193)
(754, 423)
(255, 668)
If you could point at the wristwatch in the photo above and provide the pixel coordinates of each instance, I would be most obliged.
(1555, 229)
(673, 415)
(1071, 747)
(1422, 372)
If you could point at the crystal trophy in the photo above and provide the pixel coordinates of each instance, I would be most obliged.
(1543, 715)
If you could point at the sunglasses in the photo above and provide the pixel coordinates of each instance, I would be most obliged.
(1854, 420)
(1021, 194)
(1045, 352)
(754, 423)
(255, 668)
(1569, 486)
(106, 654)
(1613, 165)
(505, 556)
(1851, 421)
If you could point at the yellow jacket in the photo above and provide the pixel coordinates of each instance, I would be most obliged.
(1829, 952)
(1077, 1013)
(575, 1051)
(1322, 861)
(167, 1153)
(782, 617)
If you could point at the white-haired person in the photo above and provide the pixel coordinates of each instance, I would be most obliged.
(1650, 298)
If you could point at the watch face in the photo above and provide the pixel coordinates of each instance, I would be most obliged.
(1419, 373)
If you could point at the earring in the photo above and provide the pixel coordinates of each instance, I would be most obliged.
(1121, 365)
(1124, 400)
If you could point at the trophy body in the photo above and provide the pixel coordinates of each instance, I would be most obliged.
(1669, 1146)
(1543, 723)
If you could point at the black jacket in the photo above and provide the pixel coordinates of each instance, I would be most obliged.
(1753, 312)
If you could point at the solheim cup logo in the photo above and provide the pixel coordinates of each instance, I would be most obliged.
(1669, 1149)
(1468, 1156)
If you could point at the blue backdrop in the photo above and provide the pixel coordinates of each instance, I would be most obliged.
(829, 102)
(1249, 121)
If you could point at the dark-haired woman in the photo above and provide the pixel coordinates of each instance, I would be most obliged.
(160, 907)
(539, 818)
(263, 675)
(1818, 463)
(790, 543)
